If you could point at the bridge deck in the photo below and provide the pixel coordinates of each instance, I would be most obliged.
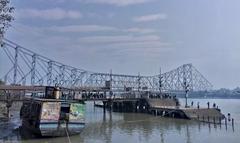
(42, 88)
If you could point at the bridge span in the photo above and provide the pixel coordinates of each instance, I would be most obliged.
(25, 67)
(26, 74)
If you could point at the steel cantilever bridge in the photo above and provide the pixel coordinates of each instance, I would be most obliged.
(25, 67)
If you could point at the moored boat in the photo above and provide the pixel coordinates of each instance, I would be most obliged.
(52, 115)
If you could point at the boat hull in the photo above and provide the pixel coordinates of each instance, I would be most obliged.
(55, 129)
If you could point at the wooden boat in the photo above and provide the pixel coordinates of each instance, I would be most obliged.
(53, 116)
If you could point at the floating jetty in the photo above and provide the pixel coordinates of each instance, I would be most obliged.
(165, 107)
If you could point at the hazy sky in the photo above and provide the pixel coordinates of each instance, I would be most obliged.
(131, 36)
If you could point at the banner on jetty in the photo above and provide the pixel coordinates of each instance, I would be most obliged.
(77, 112)
(50, 111)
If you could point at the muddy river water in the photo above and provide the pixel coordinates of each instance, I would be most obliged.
(140, 128)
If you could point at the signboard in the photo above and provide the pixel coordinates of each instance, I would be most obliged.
(77, 112)
(50, 111)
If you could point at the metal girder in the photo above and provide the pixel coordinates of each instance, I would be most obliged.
(35, 69)
(187, 74)
(49, 72)
(15, 66)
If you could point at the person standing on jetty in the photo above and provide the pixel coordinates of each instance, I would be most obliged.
(214, 105)
(208, 104)
(198, 105)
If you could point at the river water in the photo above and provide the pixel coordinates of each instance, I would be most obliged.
(142, 128)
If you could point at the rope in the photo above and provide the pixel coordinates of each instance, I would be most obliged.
(69, 140)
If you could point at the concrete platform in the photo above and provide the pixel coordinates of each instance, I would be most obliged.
(168, 108)
(165, 107)
(204, 114)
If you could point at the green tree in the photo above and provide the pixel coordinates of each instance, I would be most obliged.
(6, 17)
(2, 82)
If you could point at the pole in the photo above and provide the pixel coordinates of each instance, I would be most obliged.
(226, 123)
(233, 124)
(160, 81)
(111, 92)
(186, 95)
(139, 83)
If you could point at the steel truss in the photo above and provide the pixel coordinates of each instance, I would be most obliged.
(30, 68)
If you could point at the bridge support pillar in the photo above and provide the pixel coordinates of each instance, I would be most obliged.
(104, 107)
(110, 105)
